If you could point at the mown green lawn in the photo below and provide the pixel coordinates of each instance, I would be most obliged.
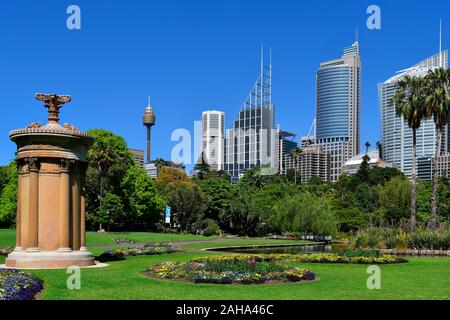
(8, 237)
(94, 238)
(421, 278)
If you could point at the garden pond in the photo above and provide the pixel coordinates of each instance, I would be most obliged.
(291, 249)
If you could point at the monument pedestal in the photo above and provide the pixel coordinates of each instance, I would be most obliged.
(51, 195)
(49, 259)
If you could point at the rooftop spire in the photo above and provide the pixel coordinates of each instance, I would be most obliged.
(440, 43)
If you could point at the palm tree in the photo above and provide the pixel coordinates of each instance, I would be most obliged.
(409, 102)
(295, 153)
(438, 107)
(102, 158)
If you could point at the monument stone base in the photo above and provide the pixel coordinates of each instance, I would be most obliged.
(49, 259)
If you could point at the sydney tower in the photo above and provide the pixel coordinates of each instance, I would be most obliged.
(149, 121)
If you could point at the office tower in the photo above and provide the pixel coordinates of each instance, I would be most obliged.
(313, 161)
(149, 121)
(284, 145)
(213, 124)
(251, 141)
(138, 157)
(338, 107)
(395, 132)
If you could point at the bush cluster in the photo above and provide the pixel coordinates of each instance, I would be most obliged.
(391, 238)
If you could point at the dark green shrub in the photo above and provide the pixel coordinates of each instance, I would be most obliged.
(212, 228)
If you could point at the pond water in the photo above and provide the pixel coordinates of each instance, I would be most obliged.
(320, 248)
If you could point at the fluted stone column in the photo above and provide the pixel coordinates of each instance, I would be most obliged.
(19, 210)
(33, 211)
(76, 209)
(83, 210)
(64, 215)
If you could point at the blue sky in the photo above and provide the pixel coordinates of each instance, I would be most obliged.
(196, 55)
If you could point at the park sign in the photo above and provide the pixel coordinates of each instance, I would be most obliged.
(167, 214)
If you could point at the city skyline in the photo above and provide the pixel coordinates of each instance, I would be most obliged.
(116, 104)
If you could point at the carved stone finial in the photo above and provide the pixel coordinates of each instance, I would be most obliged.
(53, 103)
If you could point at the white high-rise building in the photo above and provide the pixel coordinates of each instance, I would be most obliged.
(395, 132)
(213, 123)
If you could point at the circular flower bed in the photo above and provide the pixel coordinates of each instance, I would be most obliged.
(149, 249)
(18, 285)
(230, 269)
(333, 258)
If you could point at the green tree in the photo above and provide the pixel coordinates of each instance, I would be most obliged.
(144, 202)
(253, 179)
(168, 178)
(379, 176)
(295, 154)
(110, 215)
(409, 102)
(242, 217)
(263, 199)
(202, 168)
(3, 177)
(187, 205)
(438, 107)
(366, 197)
(394, 197)
(318, 186)
(8, 194)
(364, 170)
(218, 193)
(306, 214)
(345, 184)
(108, 151)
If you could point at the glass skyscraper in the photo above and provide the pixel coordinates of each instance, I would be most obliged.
(338, 107)
(396, 135)
(251, 141)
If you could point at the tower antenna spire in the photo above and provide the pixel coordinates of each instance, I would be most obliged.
(440, 43)
(356, 34)
(262, 75)
(270, 76)
(262, 57)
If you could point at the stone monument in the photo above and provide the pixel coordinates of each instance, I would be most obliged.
(51, 198)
